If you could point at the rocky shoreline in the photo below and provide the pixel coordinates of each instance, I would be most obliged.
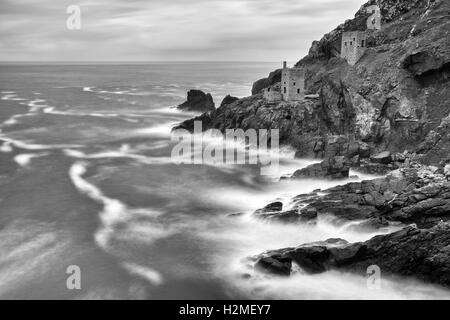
(387, 115)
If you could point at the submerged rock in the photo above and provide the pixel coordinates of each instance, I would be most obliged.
(199, 101)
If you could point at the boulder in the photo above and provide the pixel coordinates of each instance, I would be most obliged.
(276, 265)
(198, 101)
(383, 157)
(334, 168)
(272, 207)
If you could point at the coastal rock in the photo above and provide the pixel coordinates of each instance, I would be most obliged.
(421, 253)
(447, 171)
(391, 100)
(273, 207)
(276, 265)
(228, 100)
(383, 157)
(416, 195)
(334, 168)
(261, 84)
(199, 101)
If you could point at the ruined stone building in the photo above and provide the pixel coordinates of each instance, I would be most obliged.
(292, 87)
(353, 46)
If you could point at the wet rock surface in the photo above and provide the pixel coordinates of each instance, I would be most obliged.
(334, 168)
(422, 253)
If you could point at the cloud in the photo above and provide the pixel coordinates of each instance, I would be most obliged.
(113, 30)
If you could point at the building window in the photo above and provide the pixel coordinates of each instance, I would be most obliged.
(298, 91)
(294, 84)
(268, 89)
(362, 43)
(354, 39)
(351, 43)
(284, 89)
(345, 43)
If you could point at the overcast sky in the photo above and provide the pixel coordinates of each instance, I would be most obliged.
(168, 30)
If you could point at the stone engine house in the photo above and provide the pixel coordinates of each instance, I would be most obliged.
(292, 83)
(292, 87)
(353, 46)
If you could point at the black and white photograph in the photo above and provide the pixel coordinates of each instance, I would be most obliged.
(209, 151)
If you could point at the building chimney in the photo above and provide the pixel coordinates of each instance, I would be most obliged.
(284, 64)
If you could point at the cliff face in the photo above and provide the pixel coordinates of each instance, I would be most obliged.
(398, 92)
(395, 98)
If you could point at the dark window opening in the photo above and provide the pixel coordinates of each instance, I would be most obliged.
(351, 43)
(345, 43)
(284, 89)
(268, 89)
(362, 43)
(298, 91)
(294, 84)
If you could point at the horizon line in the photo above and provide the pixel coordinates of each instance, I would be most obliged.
(137, 61)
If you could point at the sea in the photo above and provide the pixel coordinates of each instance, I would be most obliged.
(89, 189)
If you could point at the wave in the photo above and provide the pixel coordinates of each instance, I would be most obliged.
(12, 97)
(29, 249)
(121, 153)
(246, 236)
(6, 147)
(121, 223)
(31, 146)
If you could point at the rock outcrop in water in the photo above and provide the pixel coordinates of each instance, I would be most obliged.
(199, 101)
(423, 253)
(388, 112)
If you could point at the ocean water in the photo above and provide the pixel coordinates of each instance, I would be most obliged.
(86, 179)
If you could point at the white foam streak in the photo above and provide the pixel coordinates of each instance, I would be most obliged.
(153, 276)
(6, 147)
(121, 153)
(25, 159)
(35, 147)
(116, 213)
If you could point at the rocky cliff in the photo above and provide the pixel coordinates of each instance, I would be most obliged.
(388, 112)
(395, 98)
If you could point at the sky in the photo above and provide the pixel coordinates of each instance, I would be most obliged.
(168, 30)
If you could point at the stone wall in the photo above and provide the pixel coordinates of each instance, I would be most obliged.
(272, 94)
